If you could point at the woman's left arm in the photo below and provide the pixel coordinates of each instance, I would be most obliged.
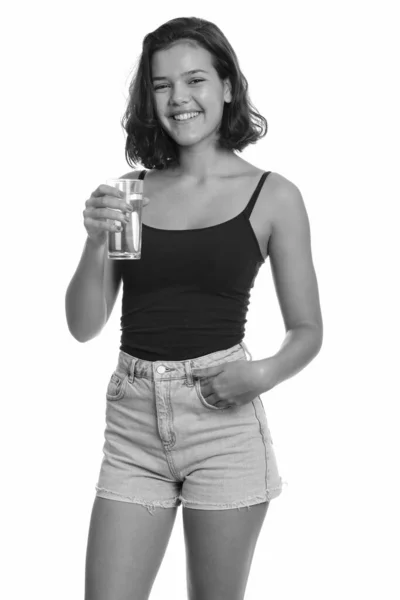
(296, 287)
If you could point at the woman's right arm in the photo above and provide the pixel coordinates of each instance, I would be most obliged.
(92, 292)
(94, 288)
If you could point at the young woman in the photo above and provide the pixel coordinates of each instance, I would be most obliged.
(185, 422)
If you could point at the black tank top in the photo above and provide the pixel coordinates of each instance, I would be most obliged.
(189, 293)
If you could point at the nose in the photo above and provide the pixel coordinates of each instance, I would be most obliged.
(179, 94)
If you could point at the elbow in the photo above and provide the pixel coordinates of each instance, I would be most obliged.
(80, 339)
(81, 331)
(315, 333)
(83, 325)
(81, 335)
(318, 336)
(76, 334)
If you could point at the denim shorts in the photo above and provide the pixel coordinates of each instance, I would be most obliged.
(165, 445)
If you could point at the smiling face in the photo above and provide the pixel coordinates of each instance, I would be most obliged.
(184, 80)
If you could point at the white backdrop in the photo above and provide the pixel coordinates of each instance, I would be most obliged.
(324, 76)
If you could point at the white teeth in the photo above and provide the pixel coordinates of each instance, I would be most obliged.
(185, 116)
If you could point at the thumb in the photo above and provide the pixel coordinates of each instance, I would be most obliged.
(208, 371)
(198, 372)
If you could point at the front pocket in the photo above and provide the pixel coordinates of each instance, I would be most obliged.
(116, 386)
(202, 399)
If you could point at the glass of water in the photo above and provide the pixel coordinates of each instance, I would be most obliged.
(127, 243)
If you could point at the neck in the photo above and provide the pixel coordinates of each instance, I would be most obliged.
(199, 165)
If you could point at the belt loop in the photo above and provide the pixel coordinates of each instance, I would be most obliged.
(131, 370)
(188, 372)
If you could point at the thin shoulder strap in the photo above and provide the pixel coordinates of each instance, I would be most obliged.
(247, 211)
(142, 174)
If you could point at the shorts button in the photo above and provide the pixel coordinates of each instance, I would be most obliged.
(161, 369)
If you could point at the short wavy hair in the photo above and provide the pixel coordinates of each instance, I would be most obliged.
(147, 142)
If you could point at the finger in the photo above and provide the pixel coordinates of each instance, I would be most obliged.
(107, 213)
(112, 200)
(107, 190)
(102, 224)
(107, 201)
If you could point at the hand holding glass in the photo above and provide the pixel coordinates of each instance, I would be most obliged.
(126, 243)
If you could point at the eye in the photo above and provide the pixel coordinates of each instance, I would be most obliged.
(160, 87)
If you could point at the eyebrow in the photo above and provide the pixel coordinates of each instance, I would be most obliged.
(183, 74)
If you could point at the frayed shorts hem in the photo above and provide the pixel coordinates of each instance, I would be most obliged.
(175, 501)
(268, 495)
(150, 505)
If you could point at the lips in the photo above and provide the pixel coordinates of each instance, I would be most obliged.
(185, 112)
(182, 121)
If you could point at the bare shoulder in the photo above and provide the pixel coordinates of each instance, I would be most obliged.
(285, 200)
(280, 185)
(132, 174)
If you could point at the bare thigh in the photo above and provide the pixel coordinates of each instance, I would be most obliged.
(219, 550)
(126, 545)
